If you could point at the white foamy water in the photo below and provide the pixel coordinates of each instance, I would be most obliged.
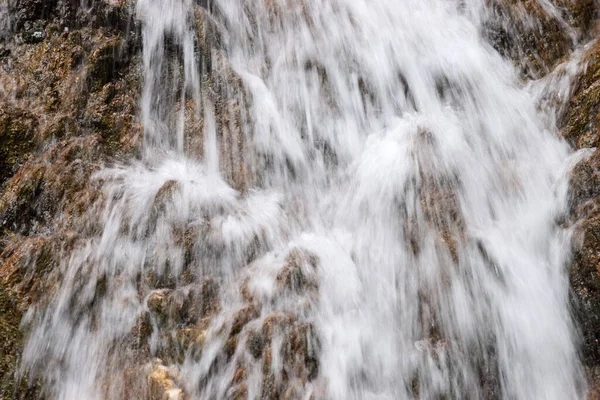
(384, 141)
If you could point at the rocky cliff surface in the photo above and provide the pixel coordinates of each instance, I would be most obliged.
(69, 87)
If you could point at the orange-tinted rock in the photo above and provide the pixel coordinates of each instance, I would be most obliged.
(162, 384)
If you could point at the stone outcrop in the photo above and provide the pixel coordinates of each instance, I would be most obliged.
(536, 35)
(543, 37)
(70, 79)
(581, 128)
(69, 86)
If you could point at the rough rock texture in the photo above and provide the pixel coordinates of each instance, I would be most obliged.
(69, 87)
(253, 333)
(70, 79)
(582, 119)
(581, 127)
(69, 83)
(543, 37)
(540, 35)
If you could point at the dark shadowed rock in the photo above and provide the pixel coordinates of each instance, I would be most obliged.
(17, 133)
(581, 128)
(581, 122)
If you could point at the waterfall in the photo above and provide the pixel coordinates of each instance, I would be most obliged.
(336, 199)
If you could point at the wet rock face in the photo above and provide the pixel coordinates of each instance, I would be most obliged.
(263, 333)
(9, 350)
(581, 14)
(530, 48)
(537, 36)
(68, 103)
(28, 18)
(585, 281)
(581, 128)
(544, 36)
(70, 80)
(582, 119)
(28, 266)
(17, 130)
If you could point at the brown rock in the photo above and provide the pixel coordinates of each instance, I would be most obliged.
(581, 128)
(584, 275)
(242, 317)
(17, 132)
(581, 122)
(49, 149)
(298, 275)
(526, 33)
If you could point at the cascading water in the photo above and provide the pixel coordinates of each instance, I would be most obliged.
(376, 202)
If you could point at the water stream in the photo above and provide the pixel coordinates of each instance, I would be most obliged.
(374, 186)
